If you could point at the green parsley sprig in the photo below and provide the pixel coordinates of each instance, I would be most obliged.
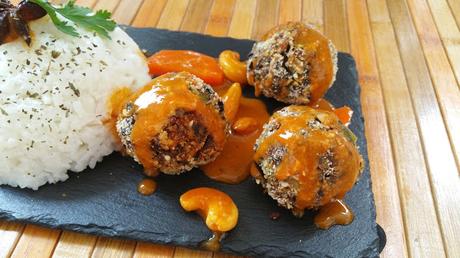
(99, 22)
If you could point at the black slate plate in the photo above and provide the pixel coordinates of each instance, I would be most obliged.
(105, 202)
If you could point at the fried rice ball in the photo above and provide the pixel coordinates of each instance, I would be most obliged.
(173, 124)
(293, 63)
(306, 158)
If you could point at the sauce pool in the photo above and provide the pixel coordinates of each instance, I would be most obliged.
(333, 213)
(232, 166)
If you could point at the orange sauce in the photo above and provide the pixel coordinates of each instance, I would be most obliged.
(156, 102)
(147, 186)
(254, 171)
(323, 105)
(302, 159)
(213, 243)
(245, 125)
(317, 47)
(333, 213)
(343, 113)
(321, 65)
(232, 166)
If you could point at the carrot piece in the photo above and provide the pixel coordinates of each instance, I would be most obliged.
(344, 114)
(203, 66)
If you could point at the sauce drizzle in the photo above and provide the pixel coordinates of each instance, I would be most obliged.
(302, 159)
(320, 74)
(156, 102)
(319, 56)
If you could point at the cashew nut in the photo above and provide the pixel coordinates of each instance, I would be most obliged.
(245, 126)
(233, 68)
(217, 208)
(232, 101)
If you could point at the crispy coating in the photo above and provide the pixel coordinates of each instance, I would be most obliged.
(330, 168)
(285, 68)
(184, 141)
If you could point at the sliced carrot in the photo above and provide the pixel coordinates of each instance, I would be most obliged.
(203, 66)
(344, 114)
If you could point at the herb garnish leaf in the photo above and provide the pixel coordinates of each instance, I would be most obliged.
(99, 22)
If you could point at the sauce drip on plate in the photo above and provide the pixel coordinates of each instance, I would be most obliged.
(213, 243)
(333, 213)
(217, 210)
(147, 187)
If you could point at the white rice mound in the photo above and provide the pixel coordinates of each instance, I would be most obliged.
(53, 99)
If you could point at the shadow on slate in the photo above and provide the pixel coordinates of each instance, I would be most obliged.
(105, 202)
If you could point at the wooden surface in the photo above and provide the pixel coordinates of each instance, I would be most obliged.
(408, 57)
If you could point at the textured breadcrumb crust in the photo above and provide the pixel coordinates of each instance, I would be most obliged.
(285, 191)
(278, 65)
(184, 142)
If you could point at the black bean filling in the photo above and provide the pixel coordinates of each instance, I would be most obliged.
(183, 141)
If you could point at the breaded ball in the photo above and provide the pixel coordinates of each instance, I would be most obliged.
(173, 124)
(293, 63)
(306, 158)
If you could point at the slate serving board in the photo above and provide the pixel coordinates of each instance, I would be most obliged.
(104, 201)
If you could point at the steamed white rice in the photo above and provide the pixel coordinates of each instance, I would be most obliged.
(53, 98)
